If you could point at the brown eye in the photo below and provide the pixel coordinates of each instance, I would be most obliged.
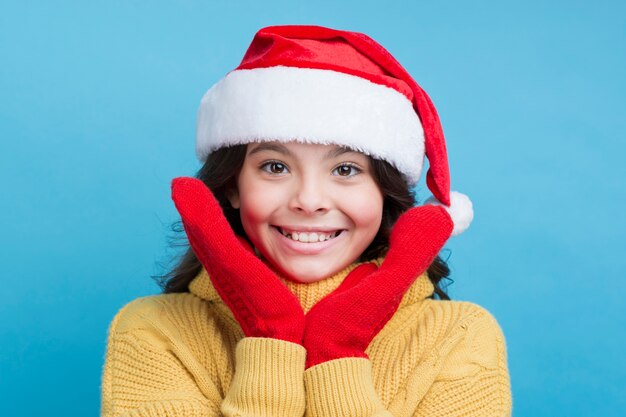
(344, 170)
(274, 167)
(277, 167)
(347, 170)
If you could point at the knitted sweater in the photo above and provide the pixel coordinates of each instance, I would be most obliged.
(185, 355)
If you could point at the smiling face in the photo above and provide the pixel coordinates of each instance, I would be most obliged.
(310, 210)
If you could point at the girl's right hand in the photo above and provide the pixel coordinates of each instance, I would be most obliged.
(261, 303)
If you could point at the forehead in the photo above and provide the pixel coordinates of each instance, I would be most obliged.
(293, 148)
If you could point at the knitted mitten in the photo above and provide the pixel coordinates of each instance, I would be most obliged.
(344, 323)
(261, 303)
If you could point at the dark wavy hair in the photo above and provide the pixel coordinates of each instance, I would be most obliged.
(219, 173)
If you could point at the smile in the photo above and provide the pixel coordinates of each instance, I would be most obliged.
(309, 237)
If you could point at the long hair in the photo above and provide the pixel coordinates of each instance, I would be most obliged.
(219, 173)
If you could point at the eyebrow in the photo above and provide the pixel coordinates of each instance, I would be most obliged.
(271, 147)
(333, 153)
(277, 147)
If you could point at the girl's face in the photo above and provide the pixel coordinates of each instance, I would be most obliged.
(310, 210)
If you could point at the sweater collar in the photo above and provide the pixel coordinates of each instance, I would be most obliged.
(310, 293)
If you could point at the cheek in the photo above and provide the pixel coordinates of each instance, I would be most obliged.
(366, 209)
(253, 209)
(258, 203)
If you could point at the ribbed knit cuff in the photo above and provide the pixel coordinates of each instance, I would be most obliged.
(342, 388)
(268, 379)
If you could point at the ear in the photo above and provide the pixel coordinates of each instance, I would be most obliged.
(232, 194)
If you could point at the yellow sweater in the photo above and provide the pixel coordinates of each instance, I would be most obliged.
(185, 355)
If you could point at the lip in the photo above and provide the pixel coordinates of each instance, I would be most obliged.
(301, 248)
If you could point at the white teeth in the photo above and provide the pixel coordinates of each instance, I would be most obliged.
(309, 237)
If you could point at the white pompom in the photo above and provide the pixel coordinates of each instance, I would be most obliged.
(460, 210)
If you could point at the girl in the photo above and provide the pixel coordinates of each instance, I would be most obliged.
(310, 284)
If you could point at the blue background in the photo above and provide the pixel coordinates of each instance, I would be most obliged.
(97, 114)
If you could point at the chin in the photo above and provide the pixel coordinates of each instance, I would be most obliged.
(308, 275)
(303, 278)
(307, 279)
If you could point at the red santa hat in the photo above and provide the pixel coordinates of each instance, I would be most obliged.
(319, 85)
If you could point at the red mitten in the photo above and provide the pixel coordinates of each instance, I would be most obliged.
(261, 303)
(344, 323)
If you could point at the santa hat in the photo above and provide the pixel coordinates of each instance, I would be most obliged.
(318, 85)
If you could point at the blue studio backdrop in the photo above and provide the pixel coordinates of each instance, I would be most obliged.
(97, 115)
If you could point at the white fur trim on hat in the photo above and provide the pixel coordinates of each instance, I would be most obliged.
(461, 211)
(312, 106)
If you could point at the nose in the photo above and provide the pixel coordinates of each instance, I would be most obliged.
(310, 196)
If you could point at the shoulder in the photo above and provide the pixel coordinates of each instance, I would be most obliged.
(470, 335)
(167, 315)
(460, 315)
(145, 311)
(181, 319)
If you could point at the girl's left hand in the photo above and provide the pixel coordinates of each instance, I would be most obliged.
(344, 323)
